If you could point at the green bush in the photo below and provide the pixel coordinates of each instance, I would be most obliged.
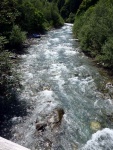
(8, 81)
(17, 37)
(52, 15)
(106, 57)
(71, 18)
(3, 41)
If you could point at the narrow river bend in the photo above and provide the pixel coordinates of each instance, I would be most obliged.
(55, 74)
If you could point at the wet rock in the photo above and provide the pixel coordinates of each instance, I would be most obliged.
(55, 118)
(95, 125)
(110, 117)
(109, 90)
(49, 101)
(49, 121)
(109, 86)
(46, 88)
(60, 112)
(41, 126)
(75, 74)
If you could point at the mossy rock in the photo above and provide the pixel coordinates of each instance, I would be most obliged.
(95, 125)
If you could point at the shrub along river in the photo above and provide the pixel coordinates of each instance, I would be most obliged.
(69, 104)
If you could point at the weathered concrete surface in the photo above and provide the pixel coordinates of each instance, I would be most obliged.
(8, 145)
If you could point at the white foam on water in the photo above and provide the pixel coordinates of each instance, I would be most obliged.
(73, 80)
(48, 43)
(58, 68)
(55, 40)
(69, 24)
(63, 46)
(45, 102)
(24, 56)
(71, 39)
(70, 52)
(84, 85)
(56, 72)
(51, 54)
(63, 36)
(101, 140)
(47, 93)
(29, 75)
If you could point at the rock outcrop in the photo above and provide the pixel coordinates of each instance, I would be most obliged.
(52, 120)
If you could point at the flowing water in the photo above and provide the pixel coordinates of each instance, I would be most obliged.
(55, 73)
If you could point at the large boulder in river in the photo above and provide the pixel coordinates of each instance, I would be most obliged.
(50, 120)
(56, 116)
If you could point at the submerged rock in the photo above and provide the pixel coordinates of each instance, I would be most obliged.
(75, 146)
(95, 125)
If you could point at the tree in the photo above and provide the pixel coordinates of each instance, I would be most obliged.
(8, 14)
(17, 37)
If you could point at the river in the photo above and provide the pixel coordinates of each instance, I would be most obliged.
(56, 74)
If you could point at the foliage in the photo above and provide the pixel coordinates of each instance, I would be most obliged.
(55, 16)
(5, 74)
(29, 15)
(67, 8)
(3, 41)
(107, 53)
(8, 79)
(17, 37)
(85, 5)
(36, 15)
(8, 14)
(71, 18)
(95, 32)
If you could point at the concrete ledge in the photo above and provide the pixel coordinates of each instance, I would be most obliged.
(8, 145)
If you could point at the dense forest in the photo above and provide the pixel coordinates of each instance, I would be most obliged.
(93, 26)
(93, 21)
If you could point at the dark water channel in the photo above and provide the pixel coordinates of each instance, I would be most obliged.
(55, 74)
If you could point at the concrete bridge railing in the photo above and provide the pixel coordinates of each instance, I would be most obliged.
(8, 145)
